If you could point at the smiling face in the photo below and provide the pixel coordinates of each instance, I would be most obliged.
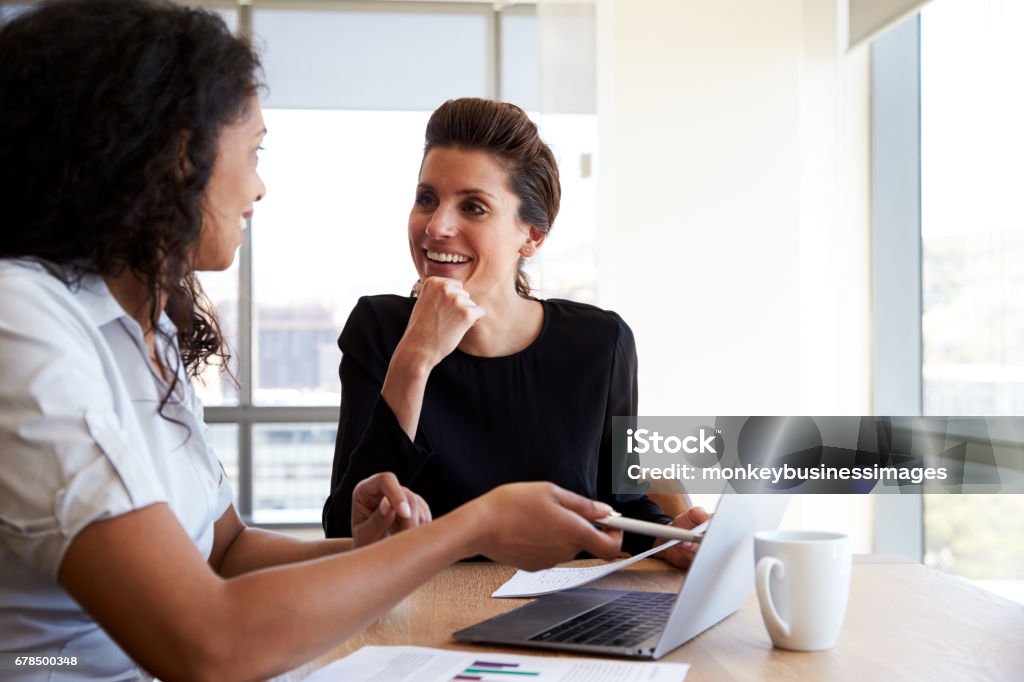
(465, 225)
(233, 188)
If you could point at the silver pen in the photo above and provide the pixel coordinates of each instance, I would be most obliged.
(654, 530)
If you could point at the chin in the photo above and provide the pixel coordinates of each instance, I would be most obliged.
(216, 263)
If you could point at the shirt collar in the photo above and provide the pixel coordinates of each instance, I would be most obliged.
(94, 295)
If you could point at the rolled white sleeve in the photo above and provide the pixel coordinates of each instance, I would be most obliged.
(67, 459)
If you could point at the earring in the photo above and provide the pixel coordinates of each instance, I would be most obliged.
(529, 250)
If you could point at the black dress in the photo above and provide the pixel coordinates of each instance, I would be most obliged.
(544, 413)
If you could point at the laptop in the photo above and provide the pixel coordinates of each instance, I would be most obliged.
(647, 624)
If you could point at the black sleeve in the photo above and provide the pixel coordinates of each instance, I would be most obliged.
(622, 402)
(370, 439)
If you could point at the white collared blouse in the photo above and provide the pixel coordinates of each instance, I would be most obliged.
(81, 439)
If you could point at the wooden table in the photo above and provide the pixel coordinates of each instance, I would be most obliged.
(904, 622)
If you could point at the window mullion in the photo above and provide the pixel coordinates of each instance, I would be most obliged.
(245, 340)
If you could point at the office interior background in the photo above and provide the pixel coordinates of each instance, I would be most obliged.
(800, 207)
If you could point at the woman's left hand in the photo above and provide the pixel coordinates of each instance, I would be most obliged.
(382, 506)
(681, 555)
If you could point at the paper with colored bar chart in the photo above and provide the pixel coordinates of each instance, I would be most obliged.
(420, 664)
(536, 583)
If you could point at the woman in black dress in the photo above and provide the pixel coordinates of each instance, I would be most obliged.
(473, 382)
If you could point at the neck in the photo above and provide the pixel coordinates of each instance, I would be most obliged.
(133, 296)
(510, 325)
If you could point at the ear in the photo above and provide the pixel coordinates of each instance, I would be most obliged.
(532, 245)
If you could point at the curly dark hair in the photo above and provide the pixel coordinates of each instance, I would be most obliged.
(506, 132)
(110, 114)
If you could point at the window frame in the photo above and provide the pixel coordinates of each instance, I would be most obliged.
(896, 261)
(247, 414)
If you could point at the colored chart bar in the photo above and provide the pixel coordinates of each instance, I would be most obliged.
(492, 671)
(488, 671)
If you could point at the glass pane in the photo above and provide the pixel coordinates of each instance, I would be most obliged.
(227, 13)
(216, 388)
(291, 471)
(978, 537)
(372, 60)
(568, 61)
(973, 263)
(520, 57)
(332, 228)
(567, 263)
(224, 438)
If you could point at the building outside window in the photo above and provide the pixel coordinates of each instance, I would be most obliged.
(972, 246)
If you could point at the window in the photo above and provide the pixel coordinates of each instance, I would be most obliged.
(972, 245)
(966, 236)
(350, 89)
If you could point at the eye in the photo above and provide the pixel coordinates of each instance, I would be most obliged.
(473, 208)
(425, 199)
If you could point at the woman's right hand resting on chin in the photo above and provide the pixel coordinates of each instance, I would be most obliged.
(443, 313)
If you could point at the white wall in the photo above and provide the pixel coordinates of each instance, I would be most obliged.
(835, 219)
(734, 176)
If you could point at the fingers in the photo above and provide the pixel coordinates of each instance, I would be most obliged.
(697, 515)
(443, 313)
(406, 508)
(368, 495)
(393, 492)
(419, 512)
(443, 287)
(604, 543)
(691, 518)
(425, 515)
(434, 286)
(381, 506)
(682, 555)
(535, 525)
(591, 510)
(376, 526)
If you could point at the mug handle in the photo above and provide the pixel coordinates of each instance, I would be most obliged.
(764, 593)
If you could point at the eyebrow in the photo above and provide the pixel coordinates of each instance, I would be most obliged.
(464, 192)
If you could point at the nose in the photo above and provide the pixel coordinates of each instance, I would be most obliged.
(442, 223)
(261, 189)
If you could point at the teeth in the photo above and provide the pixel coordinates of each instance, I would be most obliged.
(446, 257)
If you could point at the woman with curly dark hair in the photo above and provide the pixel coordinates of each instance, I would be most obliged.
(129, 135)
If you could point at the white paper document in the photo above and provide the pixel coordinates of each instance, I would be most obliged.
(536, 583)
(420, 664)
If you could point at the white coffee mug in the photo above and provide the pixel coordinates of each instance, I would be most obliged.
(803, 581)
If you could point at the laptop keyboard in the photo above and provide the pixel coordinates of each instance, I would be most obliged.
(624, 621)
